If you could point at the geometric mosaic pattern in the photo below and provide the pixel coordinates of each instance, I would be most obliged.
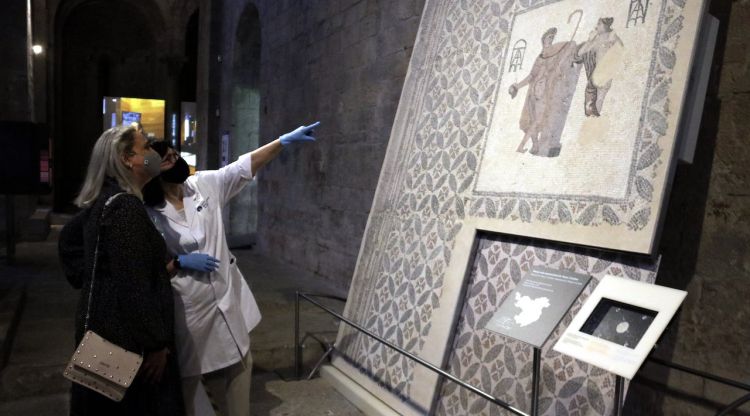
(503, 366)
(424, 195)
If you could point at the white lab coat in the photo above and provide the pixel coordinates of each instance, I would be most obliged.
(214, 312)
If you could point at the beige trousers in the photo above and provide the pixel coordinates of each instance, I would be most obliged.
(228, 388)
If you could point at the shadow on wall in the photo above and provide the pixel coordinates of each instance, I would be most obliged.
(244, 136)
(682, 237)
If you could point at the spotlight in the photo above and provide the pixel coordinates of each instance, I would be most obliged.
(37, 49)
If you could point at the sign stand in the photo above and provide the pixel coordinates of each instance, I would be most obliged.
(543, 297)
(619, 394)
(690, 127)
(536, 370)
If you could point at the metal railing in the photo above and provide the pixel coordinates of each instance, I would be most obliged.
(713, 377)
(619, 381)
(431, 367)
(701, 374)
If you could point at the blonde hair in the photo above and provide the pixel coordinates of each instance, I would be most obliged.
(106, 160)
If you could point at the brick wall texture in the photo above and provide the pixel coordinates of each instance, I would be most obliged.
(342, 62)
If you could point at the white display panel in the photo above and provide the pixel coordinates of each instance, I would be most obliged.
(619, 324)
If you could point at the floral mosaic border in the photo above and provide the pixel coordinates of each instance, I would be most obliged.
(425, 190)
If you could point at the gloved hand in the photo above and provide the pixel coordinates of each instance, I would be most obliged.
(199, 262)
(301, 134)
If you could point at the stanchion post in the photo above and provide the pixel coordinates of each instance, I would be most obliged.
(10, 229)
(297, 347)
(536, 370)
(619, 395)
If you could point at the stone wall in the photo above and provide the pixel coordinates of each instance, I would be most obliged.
(342, 62)
(16, 82)
(14, 72)
(706, 241)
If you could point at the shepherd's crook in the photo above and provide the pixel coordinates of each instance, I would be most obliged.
(580, 17)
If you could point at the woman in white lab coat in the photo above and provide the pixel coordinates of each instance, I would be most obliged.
(214, 307)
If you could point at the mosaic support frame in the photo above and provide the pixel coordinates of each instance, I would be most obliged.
(418, 243)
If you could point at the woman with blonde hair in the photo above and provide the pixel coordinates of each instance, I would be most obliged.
(131, 302)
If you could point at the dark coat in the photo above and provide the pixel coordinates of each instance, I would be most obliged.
(132, 304)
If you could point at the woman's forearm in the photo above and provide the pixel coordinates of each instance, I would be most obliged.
(264, 154)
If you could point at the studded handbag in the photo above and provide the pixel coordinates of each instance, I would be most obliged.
(97, 363)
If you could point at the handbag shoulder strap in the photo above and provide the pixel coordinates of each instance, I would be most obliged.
(96, 256)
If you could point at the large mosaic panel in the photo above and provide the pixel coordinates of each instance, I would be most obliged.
(503, 366)
(552, 119)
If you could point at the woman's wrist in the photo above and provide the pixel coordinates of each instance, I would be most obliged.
(173, 266)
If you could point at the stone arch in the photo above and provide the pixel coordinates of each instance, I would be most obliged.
(188, 71)
(101, 48)
(150, 10)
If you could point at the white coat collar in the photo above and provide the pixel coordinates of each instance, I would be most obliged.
(191, 200)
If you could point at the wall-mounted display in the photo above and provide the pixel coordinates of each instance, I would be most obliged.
(125, 111)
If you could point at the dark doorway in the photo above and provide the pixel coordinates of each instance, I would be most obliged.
(106, 48)
(189, 72)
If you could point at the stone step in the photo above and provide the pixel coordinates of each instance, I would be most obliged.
(27, 381)
(57, 218)
(277, 357)
(274, 397)
(270, 396)
(53, 405)
(36, 227)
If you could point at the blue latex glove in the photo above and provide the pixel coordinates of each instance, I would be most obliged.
(199, 262)
(301, 134)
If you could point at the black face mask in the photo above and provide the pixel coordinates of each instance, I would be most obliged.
(178, 173)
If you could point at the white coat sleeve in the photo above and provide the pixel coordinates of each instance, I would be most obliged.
(229, 180)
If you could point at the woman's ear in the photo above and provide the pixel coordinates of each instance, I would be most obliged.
(125, 158)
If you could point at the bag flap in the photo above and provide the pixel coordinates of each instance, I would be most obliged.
(105, 359)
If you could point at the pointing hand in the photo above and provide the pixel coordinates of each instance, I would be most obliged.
(301, 134)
